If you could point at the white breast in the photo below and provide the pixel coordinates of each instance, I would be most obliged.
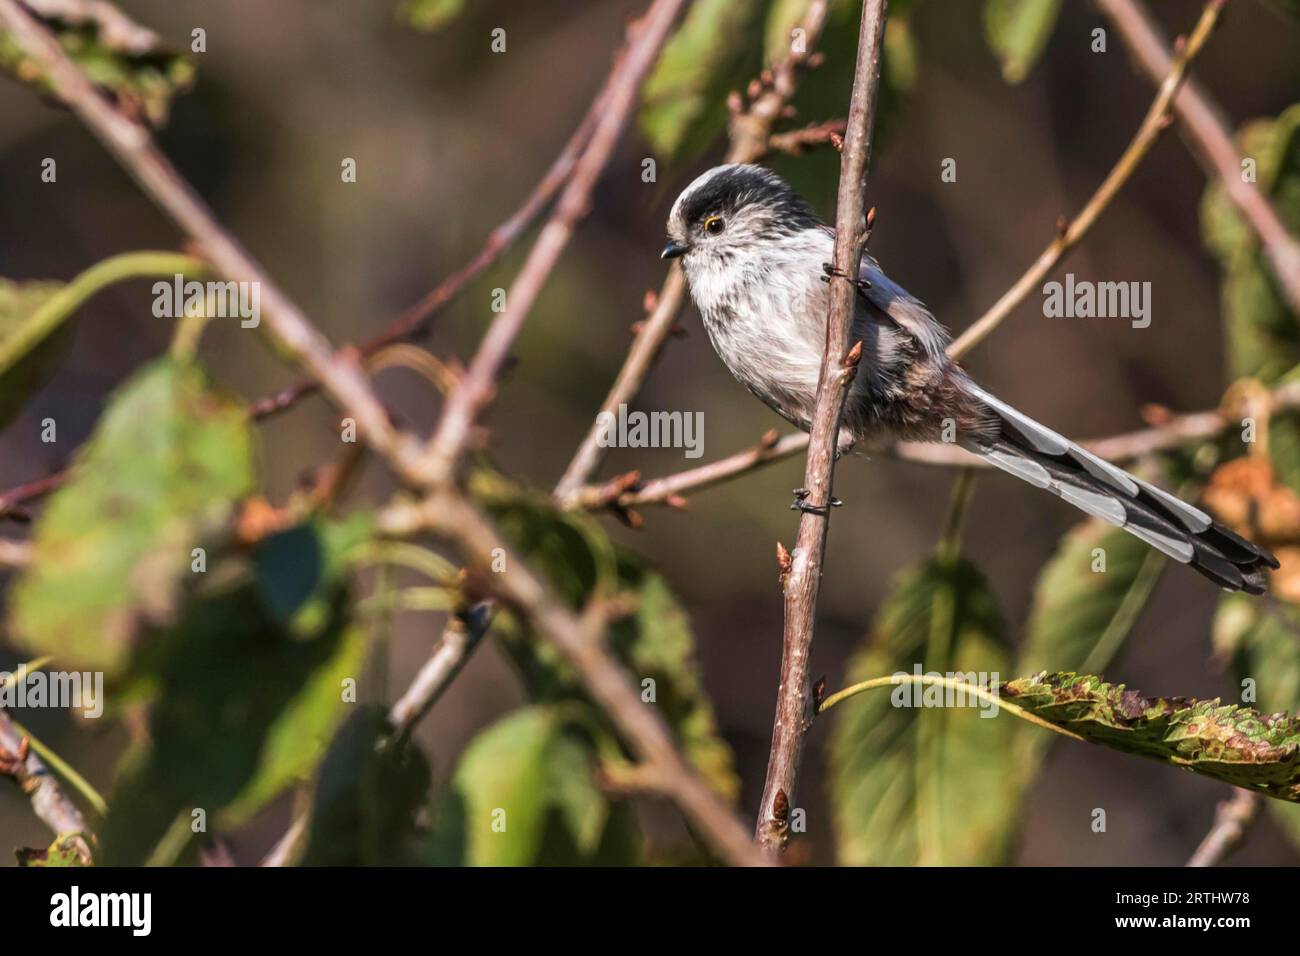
(765, 314)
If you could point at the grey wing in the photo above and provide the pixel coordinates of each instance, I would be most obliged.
(902, 307)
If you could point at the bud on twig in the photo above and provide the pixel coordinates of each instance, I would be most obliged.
(783, 559)
(854, 356)
(819, 693)
(781, 807)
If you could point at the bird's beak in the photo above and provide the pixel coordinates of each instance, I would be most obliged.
(674, 249)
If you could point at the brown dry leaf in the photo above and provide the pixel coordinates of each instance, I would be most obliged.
(1245, 495)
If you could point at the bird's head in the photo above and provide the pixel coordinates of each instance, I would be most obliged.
(731, 209)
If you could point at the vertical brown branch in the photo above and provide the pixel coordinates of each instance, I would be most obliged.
(839, 365)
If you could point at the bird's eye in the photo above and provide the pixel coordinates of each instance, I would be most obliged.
(713, 225)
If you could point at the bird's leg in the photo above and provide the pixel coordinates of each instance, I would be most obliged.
(800, 503)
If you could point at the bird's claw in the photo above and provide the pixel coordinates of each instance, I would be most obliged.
(801, 504)
(862, 285)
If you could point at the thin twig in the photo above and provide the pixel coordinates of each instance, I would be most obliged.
(1232, 820)
(287, 847)
(478, 385)
(444, 510)
(750, 131)
(460, 637)
(1177, 431)
(839, 366)
(1203, 123)
(49, 803)
(1155, 121)
(796, 141)
(579, 639)
(414, 322)
(14, 554)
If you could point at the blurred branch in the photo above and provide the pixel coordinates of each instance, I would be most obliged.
(1070, 234)
(1232, 821)
(460, 637)
(14, 554)
(133, 146)
(116, 30)
(287, 848)
(444, 511)
(802, 581)
(750, 131)
(48, 801)
(414, 322)
(1202, 121)
(579, 638)
(477, 387)
(796, 141)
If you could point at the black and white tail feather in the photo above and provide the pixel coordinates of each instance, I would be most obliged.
(1034, 453)
(751, 247)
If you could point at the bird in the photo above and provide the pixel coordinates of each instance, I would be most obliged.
(756, 260)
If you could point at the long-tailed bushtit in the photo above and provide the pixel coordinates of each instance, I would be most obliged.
(755, 256)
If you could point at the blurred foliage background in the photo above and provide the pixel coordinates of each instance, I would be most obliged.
(448, 138)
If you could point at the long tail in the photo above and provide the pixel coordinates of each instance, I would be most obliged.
(1038, 455)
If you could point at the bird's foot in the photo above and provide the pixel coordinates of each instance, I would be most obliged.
(801, 503)
(862, 285)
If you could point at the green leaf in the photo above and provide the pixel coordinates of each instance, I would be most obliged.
(1087, 599)
(242, 705)
(112, 551)
(1263, 335)
(1234, 744)
(29, 353)
(296, 741)
(526, 792)
(1264, 645)
(368, 794)
(65, 851)
(1018, 31)
(926, 785)
(655, 642)
(123, 58)
(430, 15)
(35, 330)
(716, 49)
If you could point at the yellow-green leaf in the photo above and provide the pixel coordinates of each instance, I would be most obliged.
(1018, 31)
(926, 785)
(430, 15)
(1238, 745)
(115, 546)
(716, 49)
(1263, 335)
